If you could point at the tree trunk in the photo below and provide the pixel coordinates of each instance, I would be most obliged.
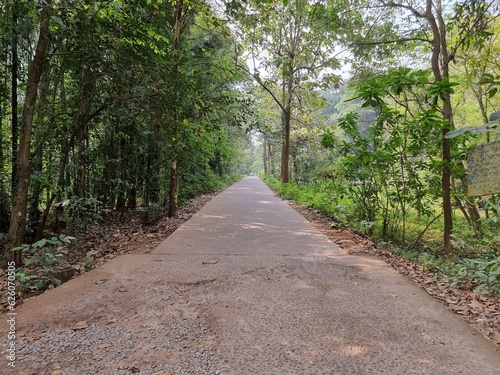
(440, 70)
(20, 198)
(174, 172)
(63, 161)
(264, 156)
(285, 148)
(173, 188)
(14, 101)
(286, 128)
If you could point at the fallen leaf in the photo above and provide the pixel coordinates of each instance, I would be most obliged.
(210, 262)
(183, 302)
(355, 283)
(99, 282)
(104, 346)
(80, 325)
(122, 289)
(476, 305)
(33, 338)
(162, 373)
(112, 320)
(57, 372)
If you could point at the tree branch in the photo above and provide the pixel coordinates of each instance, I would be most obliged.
(414, 11)
(262, 84)
(393, 41)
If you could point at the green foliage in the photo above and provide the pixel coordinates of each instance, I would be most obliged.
(152, 214)
(492, 82)
(390, 168)
(42, 261)
(483, 273)
(80, 213)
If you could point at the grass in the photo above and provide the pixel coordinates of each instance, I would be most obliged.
(475, 261)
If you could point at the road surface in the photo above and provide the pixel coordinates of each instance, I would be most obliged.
(246, 286)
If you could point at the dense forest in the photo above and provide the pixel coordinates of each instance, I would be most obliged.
(364, 110)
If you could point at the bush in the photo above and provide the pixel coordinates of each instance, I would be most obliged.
(152, 214)
(44, 261)
(79, 213)
(483, 273)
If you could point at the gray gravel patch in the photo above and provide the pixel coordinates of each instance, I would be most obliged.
(175, 345)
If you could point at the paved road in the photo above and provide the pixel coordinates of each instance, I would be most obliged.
(246, 286)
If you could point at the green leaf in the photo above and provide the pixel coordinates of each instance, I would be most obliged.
(21, 277)
(57, 20)
(495, 116)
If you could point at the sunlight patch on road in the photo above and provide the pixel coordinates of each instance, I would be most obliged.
(354, 350)
(215, 216)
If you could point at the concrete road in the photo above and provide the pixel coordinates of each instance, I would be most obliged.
(246, 286)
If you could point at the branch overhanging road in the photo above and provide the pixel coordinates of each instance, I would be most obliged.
(246, 286)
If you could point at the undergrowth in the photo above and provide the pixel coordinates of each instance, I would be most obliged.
(475, 263)
(51, 261)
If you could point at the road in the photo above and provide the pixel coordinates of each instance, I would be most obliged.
(246, 286)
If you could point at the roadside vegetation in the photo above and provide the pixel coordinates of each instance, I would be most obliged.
(474, 265)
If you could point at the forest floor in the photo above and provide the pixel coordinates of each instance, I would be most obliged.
(116, 234)
(480, 311)
(127, 234)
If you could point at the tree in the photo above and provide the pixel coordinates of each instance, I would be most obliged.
(20, 197)
(434, 33)
(286, 48)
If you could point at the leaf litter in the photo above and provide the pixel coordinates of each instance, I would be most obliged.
(118, 233)
(480, 311)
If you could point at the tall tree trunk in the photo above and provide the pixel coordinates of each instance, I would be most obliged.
(4, 202)
(285, 149)
(174, 172)
(286, 127)
(82, 119)
(440, 69)
(264, 156)
(63, 161)
(288, 73)
(20, 198)
(14, 101)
